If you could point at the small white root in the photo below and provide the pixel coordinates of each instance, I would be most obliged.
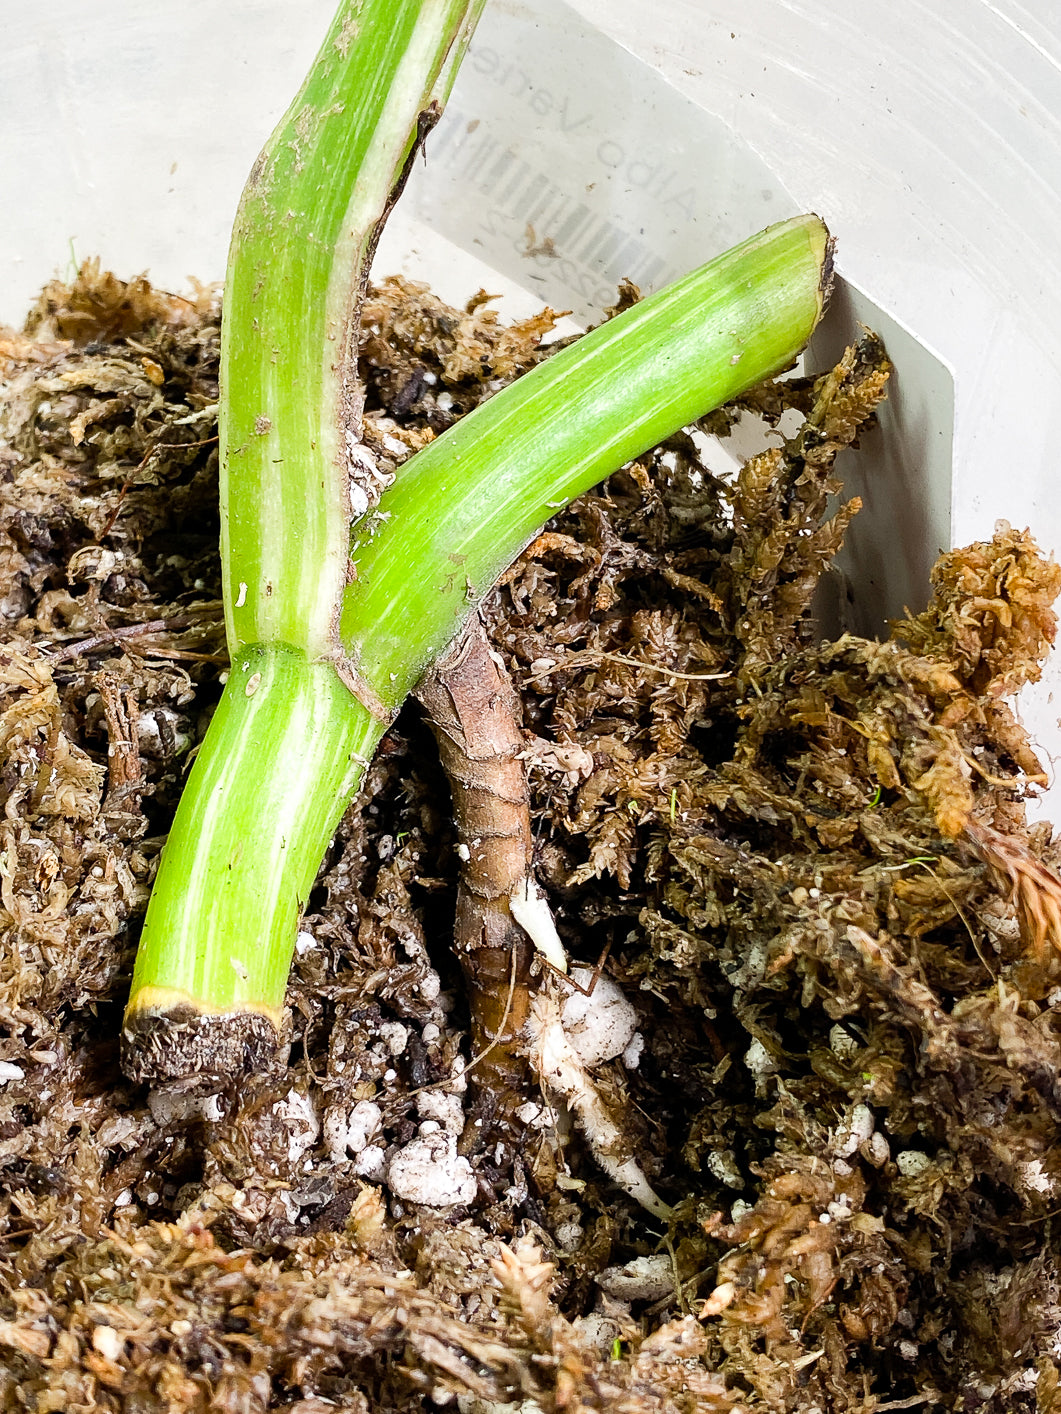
(531, 910)
(560, 1070)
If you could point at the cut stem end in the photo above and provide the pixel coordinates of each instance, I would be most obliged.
(199, 1053)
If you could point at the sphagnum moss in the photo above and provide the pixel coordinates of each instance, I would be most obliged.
(777, 881)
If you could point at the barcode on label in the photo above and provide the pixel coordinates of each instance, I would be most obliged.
(563, 225)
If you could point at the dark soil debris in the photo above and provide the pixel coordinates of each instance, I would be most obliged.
(808, 865)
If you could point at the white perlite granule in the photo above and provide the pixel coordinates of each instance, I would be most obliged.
(394, 1036)
(364, 1124)
(349, 1132)
(430, 1171)
(371, 1162)
(599, 1027)
(855, 1130)
(759, 1060)
(643, 1279)
(446, 1109)
(912, 1162)
(296, 1112)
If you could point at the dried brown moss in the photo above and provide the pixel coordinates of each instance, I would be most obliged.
(809, 863)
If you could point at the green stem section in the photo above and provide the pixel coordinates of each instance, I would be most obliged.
(286, 744)
(464, 507)
(279, 765)
(303, 237)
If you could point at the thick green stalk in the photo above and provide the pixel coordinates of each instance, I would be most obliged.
(307, 221)
(209, 982)
(459, 512)
(464, 507)
(287, 743)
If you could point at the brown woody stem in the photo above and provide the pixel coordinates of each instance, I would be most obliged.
(517, 1031)
(471, 708)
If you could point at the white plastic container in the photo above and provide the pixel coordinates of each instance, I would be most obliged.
(608, 137)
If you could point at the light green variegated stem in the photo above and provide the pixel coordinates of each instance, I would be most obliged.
(290, 402)
(458, 513)
(465, 506)
(278, 764)
(286, 744)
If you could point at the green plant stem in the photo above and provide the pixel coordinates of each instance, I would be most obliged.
(235, 874)
(325, 650)
(209, 980)
(301, 246)
(463, 508)
(284, 722)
